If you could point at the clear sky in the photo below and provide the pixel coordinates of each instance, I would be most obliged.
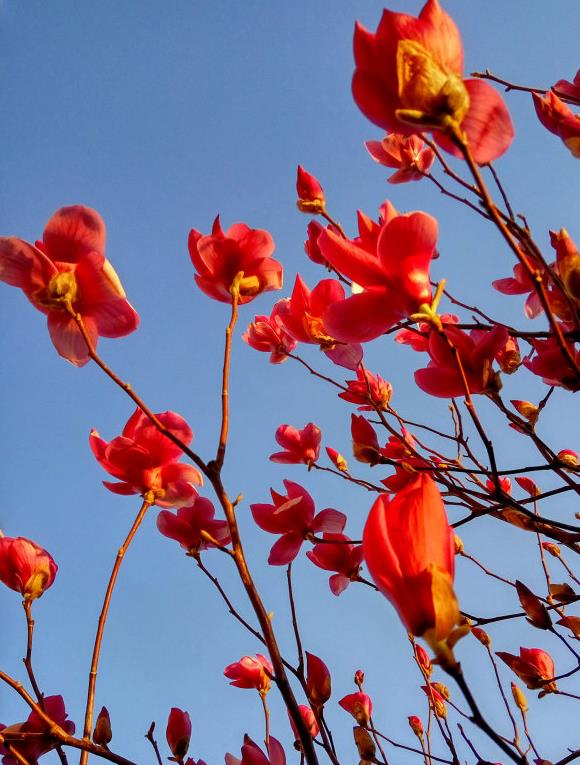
(159, 115)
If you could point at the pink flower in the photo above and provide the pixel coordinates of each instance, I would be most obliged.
(409, 78)
(304, 320)
(359, 705)
(342, 557)
(178, 732)
(35, 747)
(218, 258)
(559, 119)
(253, 755)
(309, 720)
(477, 350)
(401, 449)
(408, 154)
(533, 666)
(310, 192)
(299, 445)
(145, 461)
(26, 567)
(251, 672)
(187, 525)
(268, 334)
(391, 272)
(67, 271)
(521, 284)
(293, 516)
(368, 388)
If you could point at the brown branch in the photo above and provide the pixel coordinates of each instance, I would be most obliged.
(88, 724)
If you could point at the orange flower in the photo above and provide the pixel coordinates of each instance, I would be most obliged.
(409, 550)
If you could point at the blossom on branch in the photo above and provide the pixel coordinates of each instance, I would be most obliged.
(26, 567)
(303, 319)
(187, 525)
(253, 755)
(368, 390)
(268, 334)
(408, 154)
(41, 742)
(409, 78)
(410, 552)
(310, 193)
(251, 672)
(391, 271)
(309, 720)
(299, 445)
(293, 516)
(342, 557)
(318, 683)
(66, 273)
(569, 89)
(359, 705)
(533, 666)
(549, 363)
(146, 461)
(219, 258)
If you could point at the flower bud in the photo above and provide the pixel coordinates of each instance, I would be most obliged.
(178, 732)
(337, 459)
(423, 660)
(309, 719)
(442, 689)
(416, 725)
(482, 636)
(459, 547)
(318, 685)
(519, 698)
(568, 457)
(359, 705)
(310, 193)
(365, 745)
(359, 677)
(102, 733)
(527, 410)
(552, 548)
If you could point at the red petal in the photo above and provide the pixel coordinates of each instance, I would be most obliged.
(73, 232)
(67, 338)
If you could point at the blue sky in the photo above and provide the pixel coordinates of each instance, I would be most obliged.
(159, 115)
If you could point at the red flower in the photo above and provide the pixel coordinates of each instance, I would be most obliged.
(408, 79)
(251, 672)
(293, 516)
(35, 747)
(343, 558)
(26, 567)
(368, 386)
(567, 262)
(299, 445)
(391, 270)
(178, 732)
(219, 258)
(68, 270)
(253, 755)
(418, 338)
(304, 320)
(147, 461)
(550, 364)
(318, 684)
(401, 450)
(188, 523)
(268, 334)
(309, 720)
(559, 119)
(310, 192)
(311, 247)
(359, 705)
(408, 154)
(477, 350)
(533, 666)
(520, 284)
(410, 552)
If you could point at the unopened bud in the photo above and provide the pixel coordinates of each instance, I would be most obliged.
(459, 548)
(552, 548)
(359, 677)
(482, 636)
(310, 193)
(519, 698)
(102, 733)
(364, 743)
(416, 726)
(568, 457)
(527, 410)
